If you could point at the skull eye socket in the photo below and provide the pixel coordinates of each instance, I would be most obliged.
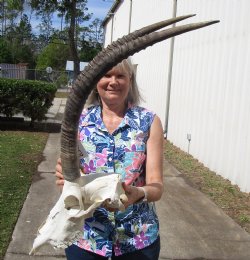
(72, 202)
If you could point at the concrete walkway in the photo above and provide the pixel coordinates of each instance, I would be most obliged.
(192, 227)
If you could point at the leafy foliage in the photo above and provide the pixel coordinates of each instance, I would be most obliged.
(88, 51)
(5, 52)
(91, 42)
(19, 44)
(32, 98)
(54, 55)
(75, 12)
(19, 38)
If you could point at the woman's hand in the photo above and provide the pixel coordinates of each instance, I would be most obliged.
(133, 194)
(59, 175)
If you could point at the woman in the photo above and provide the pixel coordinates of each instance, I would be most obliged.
(121, 137)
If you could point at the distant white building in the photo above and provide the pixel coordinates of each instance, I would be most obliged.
(70, 71)
(70, 65)
(198, 83)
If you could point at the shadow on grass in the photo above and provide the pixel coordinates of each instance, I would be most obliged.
(18, 124)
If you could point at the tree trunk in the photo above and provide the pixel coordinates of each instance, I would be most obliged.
(72, 39)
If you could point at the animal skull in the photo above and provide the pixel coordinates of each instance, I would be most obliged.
(77, 202)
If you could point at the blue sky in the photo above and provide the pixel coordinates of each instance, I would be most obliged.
(99, 8)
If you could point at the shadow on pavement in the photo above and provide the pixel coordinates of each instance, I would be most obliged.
(18, 124)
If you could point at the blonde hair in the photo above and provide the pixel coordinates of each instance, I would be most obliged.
(134, 97)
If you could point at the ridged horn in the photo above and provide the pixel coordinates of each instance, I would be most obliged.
(156, 26)
(103, 62)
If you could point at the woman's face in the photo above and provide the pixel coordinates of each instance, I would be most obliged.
(114, 86)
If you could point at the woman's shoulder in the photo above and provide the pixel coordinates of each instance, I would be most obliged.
(141, 116)
(142, 111)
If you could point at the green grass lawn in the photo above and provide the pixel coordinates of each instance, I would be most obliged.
(20, 154)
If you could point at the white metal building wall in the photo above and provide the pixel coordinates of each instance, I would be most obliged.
(118, 23)
(152, 63)
(210, 89)
(108, 33)
(209, 92)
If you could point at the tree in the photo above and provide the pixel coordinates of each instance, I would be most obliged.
(54, 55)
(74, 12)
(45, 26)
(5, 52)
(96, 32)
(10, 10)
(83, 42)
(20, 40)
(2, 15)
(91, 41)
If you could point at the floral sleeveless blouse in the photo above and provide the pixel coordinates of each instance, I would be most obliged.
(122, 152)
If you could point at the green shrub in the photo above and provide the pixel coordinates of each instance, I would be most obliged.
(32, 98)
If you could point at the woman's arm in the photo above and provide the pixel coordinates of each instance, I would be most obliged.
(154, 161)
(154, 168)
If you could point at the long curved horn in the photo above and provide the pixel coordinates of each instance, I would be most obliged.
(156, 26)
(103, 62)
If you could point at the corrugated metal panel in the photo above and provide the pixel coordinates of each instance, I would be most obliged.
(210, 93)
(118, 24)
(153, 63)
(108, 33)
(121, 20)
(112, 10)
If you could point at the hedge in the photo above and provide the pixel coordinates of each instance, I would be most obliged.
(31, 98)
